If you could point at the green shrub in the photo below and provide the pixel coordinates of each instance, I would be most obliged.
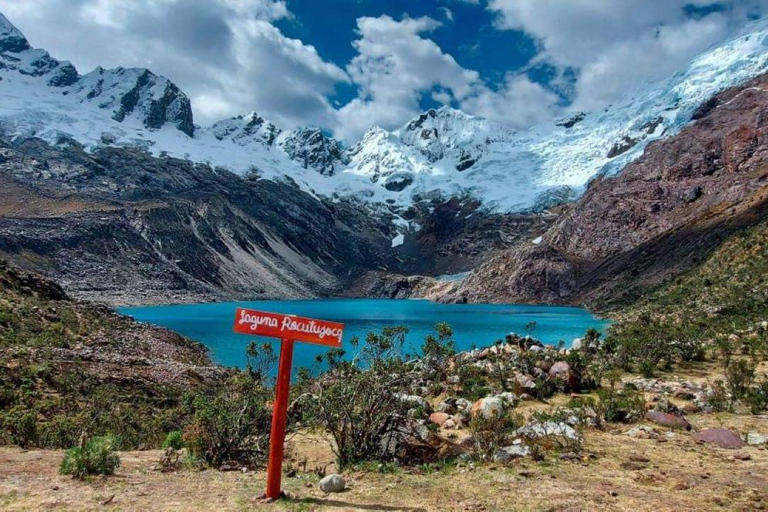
(757, 397)
(474, 385)
(229, 425)
(718, 398)
(19, 426)
(739, 376)
(94, 456)
(437, 350)
(491, 434)
(173, 440)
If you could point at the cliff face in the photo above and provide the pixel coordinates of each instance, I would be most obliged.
(661, 215)
(124, 227)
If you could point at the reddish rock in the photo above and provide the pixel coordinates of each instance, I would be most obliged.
(438, 418)
(721, 437)
(561, 371)
(666, 419)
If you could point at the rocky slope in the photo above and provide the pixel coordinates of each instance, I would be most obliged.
(66, 366)
(122, 226)
(660, 216)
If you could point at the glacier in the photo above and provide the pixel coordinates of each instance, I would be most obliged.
(442, 153)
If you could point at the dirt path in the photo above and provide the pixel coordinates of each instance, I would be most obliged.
(680, 476)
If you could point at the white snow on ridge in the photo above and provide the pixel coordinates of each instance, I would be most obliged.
(442, 152)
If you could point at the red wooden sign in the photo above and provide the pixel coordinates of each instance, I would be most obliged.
(288, 328)
(275, 325)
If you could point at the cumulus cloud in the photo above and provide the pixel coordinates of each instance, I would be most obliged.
(616, 46)
(397, 64)
(393, 68)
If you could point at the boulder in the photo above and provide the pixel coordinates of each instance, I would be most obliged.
(561, 371)
(416, 401)
(439, 418)
(721, 437)
(551, 429)
(333, 483)
(489, 407)
(463, 405)
(666, 419)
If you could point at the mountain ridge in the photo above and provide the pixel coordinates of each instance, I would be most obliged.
(440, 153)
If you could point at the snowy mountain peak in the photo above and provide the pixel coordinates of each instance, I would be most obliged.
(11, 38)
(312, 149)
(245, 130)
(440, 153)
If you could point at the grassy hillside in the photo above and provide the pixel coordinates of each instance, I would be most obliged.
(728, 291)
(68, 366)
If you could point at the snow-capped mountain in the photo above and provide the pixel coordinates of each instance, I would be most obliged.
(442, 152)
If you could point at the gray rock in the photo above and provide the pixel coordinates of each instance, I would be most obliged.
(333, 483)
(510, 453)
(756, 439)
(552, 429)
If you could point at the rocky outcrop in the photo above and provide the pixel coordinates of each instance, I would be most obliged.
(311, 148)
(660, 216)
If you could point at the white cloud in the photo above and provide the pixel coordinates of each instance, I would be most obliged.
(617, 45)
(519, 103)
(230, 58)
(396, 65)
(393, 68)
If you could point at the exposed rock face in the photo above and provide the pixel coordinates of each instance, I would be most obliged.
(11, 39)
(659, 216)
(122, 226)
(312, 149)
(154, 99)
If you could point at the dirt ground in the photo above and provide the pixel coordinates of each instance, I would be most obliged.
(680, 475)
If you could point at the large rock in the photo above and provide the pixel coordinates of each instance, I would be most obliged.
(494, 406)
(721, 437)
(666, 419)
(561, 371)
(333, 483)
(756, 439)
(489, 407)
(439, 418)
(549, 429)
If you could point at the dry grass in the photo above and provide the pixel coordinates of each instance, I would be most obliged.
(680, 476)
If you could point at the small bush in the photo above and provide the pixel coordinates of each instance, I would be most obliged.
(757, 398)
(718, 398)
(739, 376)
(474, 385)
(230, 425)
(173, 440)
(619, 406)
(493, 433)
(94, 456)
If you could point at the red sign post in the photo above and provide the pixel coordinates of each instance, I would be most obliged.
(287, 328)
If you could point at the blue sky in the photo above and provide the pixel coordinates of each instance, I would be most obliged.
(467, 33)
(345, 65)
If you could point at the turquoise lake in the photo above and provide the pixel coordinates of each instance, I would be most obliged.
(473, 324)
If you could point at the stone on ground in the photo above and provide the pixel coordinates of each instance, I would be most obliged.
(333, 483)
(721, 437)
